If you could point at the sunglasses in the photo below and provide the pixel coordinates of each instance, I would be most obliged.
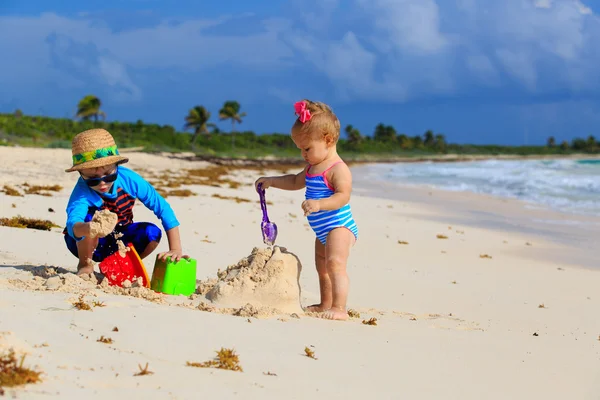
(91, 182)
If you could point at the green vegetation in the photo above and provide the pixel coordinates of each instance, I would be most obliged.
(385, 142)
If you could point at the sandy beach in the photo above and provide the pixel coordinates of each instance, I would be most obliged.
(464, 309)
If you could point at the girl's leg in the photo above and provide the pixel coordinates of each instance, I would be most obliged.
(337, 249)
(324, 280)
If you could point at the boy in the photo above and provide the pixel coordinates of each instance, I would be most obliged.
(105, 185)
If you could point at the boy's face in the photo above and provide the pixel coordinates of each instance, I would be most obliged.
(100, 172)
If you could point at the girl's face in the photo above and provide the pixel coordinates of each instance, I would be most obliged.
(314, 151)
(100, 185)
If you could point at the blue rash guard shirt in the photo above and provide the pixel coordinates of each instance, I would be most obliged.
(128, 187)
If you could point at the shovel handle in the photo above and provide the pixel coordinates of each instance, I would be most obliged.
(263, 202)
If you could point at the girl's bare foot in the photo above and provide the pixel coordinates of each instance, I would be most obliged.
(335, 314)
(316, 308)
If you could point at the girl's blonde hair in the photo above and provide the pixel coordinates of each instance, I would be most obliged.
(322, 124)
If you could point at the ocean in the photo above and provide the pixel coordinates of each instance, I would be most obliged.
(565, 185)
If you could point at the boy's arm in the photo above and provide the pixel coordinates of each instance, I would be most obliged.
(77, 210)
(146, 193)
(341, 181)
(163, 211)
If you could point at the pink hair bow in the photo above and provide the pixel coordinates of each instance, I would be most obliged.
(302, 111)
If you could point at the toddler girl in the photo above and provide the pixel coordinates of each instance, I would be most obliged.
(328, 184)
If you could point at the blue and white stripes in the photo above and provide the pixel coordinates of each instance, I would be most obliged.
(322, 222)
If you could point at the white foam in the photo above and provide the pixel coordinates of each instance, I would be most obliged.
(564, 185)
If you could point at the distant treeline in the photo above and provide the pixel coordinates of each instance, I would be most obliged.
(39, 131)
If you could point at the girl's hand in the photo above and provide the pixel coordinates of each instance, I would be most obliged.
(310, 206)
(265, 180)
(175, 255)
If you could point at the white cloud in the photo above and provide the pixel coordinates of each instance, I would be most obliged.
(116, 75)
(543, 3)
(86, 47)
(409, 25)
(393, 50)
(520, 65)
(482, 68)
(583, 8)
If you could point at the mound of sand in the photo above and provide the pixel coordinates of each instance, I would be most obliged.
(58, 279)
(267, 278)
(263, 284)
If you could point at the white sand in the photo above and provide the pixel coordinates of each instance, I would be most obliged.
(450, 324)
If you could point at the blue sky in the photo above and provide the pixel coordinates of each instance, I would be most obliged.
(478, 71)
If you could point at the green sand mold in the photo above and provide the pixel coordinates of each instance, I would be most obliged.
(174, 278)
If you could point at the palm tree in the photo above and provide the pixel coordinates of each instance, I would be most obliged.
(197, 119)
(404, 141)
(428, 138)
(384, 133)
(440, 142)
(591, 143)
(551, 142)
(89, 107)
(231, 110)
(353, 135)
(417, 141)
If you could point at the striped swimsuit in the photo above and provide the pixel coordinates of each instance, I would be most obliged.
(324, 221)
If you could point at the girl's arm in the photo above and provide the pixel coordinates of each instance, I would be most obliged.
(341, 180)
(284, 182)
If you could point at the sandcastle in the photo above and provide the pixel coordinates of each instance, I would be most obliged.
(267, 278)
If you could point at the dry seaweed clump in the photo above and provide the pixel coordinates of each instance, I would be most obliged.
(371, 321)
(13, 373)
(30, 223)
(11, 191)
(213, 176)
(42, 190)
(225, 359)
(143, 371)
(353, 313)
(80, 304)
(236, 198)
(309, 353)
(176, 193)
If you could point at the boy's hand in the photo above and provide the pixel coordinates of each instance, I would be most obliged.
(175, 255)
(310, 206)
(265, 180)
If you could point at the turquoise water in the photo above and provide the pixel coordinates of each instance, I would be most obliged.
(565, 185)
(590, 162)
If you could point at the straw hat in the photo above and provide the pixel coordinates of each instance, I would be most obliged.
(94, 148)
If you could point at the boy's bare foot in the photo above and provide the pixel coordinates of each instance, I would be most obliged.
(335, 314)
(316, 308)
(85, 268)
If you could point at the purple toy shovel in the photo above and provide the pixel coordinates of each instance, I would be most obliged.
(269, 229)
